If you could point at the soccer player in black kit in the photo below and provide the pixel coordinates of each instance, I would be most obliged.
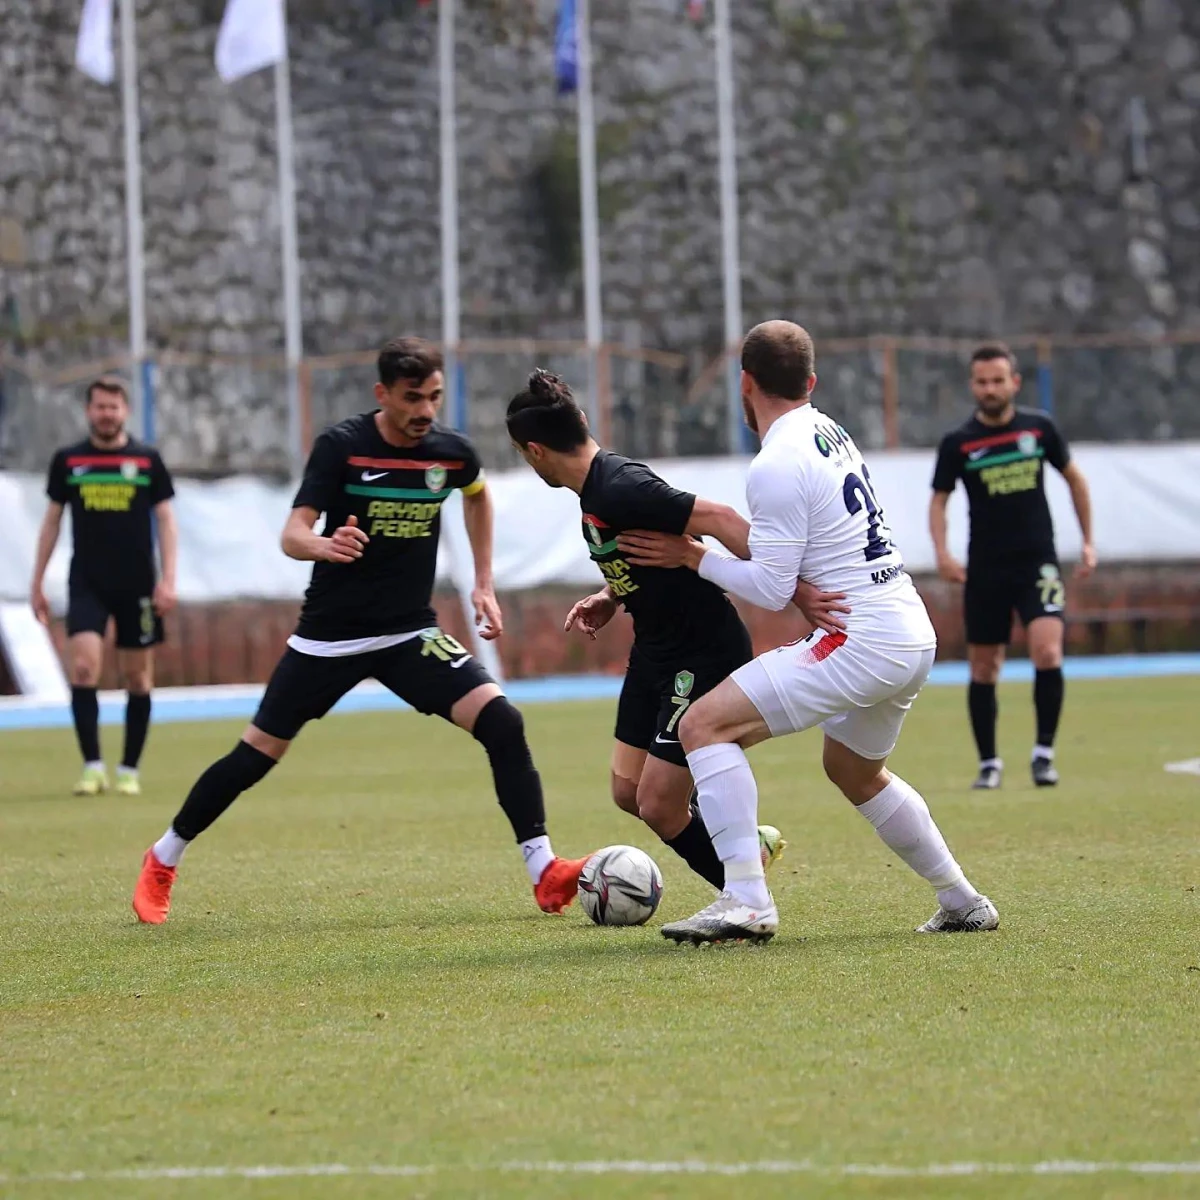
(1012, 565)
(380, 478)
(113, 485)
(687, 635)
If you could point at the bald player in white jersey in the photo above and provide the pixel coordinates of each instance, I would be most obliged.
(814, 515)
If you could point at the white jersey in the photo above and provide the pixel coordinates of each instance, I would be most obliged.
(814, 515)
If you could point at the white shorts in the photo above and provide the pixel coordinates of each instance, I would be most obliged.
(857, 694)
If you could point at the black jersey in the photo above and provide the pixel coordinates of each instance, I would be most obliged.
(397, 495)
(111, 494)
(674, 611)
(1002, 468)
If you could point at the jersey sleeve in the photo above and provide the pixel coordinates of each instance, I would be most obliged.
(949, 465)
(322, 480)
(639, 499)
(56, 478)
(473, 478)
(162, 487)
(778, 537)
(1058, 454)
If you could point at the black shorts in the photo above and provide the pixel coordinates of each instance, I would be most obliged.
(991, 596)
(656, 695)
(432, 672)
(138, 626)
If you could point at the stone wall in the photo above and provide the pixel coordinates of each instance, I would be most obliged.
(906, 166)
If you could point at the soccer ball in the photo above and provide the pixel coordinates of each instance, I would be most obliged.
(620, 885)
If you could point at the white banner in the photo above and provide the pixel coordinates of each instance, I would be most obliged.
(1145, 499)
(252, 36)
(94, 47)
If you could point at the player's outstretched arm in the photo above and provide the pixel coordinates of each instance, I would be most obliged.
(1081, 498)
(719, 521)
(479, 520)
(300, 542)
(47, 540)
(949, 568)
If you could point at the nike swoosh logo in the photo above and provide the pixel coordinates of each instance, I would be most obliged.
(368, 476)
(458, 662)
(658, 737)
(972, 456)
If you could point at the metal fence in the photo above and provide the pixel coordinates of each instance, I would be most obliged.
(218, 416)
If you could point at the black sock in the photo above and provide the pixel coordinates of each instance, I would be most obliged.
(219, 787)
(695, 847)
(981, 703)
(85, 708)
(500, 730)
(1048, 688)
(137, 725)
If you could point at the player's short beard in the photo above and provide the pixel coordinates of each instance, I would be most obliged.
(102, 435)
(993, 406)
(748, 413)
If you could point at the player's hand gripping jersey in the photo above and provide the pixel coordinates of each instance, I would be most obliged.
(815, 515)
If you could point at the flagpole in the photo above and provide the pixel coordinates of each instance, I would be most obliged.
(451, 320)
(292, 327)
(134, 232)
(457, 544)
(590, 221)
(730, 253)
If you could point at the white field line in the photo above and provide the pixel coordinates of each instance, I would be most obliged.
(622, 1167)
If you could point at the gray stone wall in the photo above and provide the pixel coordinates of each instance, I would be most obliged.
(948, 167)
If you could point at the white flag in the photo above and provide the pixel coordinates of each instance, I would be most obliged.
(252, 37)
(94, 49)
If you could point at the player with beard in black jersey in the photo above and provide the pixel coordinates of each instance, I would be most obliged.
(380, 478)
(1012, 565)
(687, 635)
(117, 490)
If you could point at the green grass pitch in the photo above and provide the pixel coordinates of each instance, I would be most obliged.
(355, 973)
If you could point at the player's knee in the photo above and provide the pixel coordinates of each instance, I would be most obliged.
(858, 779)
(84, 673)
(265, 743)
(985, 668)
(696, 729)
(625, 794)
(139, 681)
(1046, 657)
(499, 727)
(662, 813)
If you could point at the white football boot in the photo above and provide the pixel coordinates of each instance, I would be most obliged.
(726, 919)
(976, 917)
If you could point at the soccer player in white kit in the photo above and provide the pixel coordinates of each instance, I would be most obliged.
(814, 514)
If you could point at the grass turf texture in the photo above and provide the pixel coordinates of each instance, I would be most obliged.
(355, 972)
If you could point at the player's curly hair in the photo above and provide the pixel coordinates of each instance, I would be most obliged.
(546, 413)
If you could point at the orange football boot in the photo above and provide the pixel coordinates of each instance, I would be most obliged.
(559, 884)
(152, 895)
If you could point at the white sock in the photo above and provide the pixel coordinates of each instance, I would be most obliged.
(170, 847)
(902, 820)
(729, 806)
(985, 763)
(538, 856)
(123, 770)
(1044, 752)
(93, 766)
